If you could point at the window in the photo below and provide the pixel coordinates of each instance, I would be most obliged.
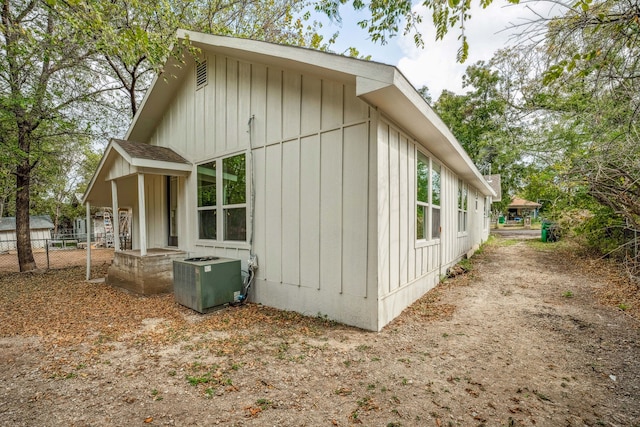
(207, 211)
(463, 198)
(223, 213)
(428, 192)
(476, 200)
(487, 211)
(234, 204)
(422, 177)
(435, 200)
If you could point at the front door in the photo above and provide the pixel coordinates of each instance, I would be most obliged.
(172, 206)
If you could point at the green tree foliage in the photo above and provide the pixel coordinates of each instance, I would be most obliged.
(573, 96)
(385, 19)
(481, 122)
(596, 72)
(593, 83)
(58, 181)
(44, 84)
(424, 93)
(581, 94)
(69, 69)
(135, 37)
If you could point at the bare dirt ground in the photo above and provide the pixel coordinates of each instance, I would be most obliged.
(523, 339)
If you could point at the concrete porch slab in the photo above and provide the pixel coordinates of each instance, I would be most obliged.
(145, 275)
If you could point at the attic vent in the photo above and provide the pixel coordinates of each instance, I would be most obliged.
(201, 74)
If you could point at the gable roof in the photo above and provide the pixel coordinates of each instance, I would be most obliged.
(380, 85)
(141, 157)
(35, 222)
(139, 151)
(518, 202)
(496, 183)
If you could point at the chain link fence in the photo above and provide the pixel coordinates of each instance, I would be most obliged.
(54, 253)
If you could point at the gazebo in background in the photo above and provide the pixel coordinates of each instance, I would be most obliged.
(521, 210)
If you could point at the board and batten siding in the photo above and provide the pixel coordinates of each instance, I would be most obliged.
(311, 157)
(334, 186)
(408, 268)
(314, 222)
(155, 209)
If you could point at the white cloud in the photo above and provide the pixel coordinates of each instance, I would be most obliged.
(436, 67)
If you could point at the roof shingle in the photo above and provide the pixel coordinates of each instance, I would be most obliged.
(140, 150)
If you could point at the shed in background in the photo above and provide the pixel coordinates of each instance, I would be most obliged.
(40, 225)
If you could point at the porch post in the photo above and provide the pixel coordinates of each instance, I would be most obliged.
(88, 229)
(142, 215)
(116, 217)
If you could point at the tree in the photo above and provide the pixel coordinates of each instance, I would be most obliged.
(424, 93)
(598, 51)
(7, 188)
(582, 99)
(43, 86)
(57, 181)
(387, 19)
(384, 19)
(63, 64)
(481, 122)
(134, 38)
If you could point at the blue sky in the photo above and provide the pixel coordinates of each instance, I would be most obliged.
(435, 65)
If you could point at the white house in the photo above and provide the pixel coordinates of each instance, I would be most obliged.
(333, 171)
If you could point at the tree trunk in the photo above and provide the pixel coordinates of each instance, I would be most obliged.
(56, 220)
(23, 229)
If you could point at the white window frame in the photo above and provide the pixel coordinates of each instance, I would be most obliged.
(429, 234)
(463, 207)
(435, 235)
(487, 211)
(221, 207)
(476, 190)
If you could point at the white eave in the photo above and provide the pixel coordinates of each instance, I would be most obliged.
(150, 163)
(99, 189)
(397, 99)
(380, 85)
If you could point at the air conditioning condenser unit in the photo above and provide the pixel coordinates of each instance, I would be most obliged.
(206, 282)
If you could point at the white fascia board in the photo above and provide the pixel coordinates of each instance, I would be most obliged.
(399, 101)
(158, 164)
(286, 56)
(104, 158)
(141, 108)
(155, 101)
(165, 85)
(126, 156)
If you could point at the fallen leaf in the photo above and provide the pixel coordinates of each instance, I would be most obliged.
(148, 420)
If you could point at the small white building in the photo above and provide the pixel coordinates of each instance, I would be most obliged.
(333, 171)
(40, 226)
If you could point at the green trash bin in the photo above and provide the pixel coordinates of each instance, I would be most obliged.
(501, 219)
(543, 234)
